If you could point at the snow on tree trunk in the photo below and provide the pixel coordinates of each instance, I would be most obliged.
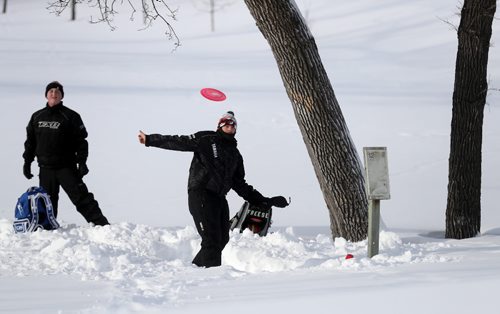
(332, 152)
(463, 212)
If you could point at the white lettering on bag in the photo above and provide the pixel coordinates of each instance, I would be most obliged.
(259, 214)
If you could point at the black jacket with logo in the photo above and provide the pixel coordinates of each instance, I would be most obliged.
(217, 164)
(57, 137)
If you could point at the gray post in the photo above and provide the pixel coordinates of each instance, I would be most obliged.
(4, 6)
(373, 227)
(377, 188)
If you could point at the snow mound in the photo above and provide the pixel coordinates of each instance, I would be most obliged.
(154, 263)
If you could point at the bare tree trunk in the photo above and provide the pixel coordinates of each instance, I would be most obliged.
(4, 7)
(144, 13)
(463, 211)
(73, 10)
(212, 15)
(332, 152)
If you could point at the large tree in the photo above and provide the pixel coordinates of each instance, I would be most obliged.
(463, 211)
(324, 130)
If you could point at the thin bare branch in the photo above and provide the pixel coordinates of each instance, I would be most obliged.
(452, 26)
(106, 10)
(170, 32)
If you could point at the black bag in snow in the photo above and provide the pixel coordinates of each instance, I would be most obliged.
(34, 211)
(252, 217)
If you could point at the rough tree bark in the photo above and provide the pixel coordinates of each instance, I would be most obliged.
(463, 211)
(332, 152)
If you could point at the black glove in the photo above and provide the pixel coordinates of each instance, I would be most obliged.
(27, 170)
(278, 201)
(83, 169)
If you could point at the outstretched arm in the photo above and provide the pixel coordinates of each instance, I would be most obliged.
(172, 142)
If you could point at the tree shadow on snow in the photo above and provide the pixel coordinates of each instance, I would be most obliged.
(495, 231)
(441, 234)
(434, 234)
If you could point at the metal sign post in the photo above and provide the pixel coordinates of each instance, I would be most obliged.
(377, 188)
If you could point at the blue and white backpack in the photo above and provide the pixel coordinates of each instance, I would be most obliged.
(34, 211)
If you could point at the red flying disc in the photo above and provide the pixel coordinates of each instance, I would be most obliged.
(213, 94)
(349, 256)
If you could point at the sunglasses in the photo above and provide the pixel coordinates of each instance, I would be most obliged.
(227, 122)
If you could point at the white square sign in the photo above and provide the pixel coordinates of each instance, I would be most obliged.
(377, 173)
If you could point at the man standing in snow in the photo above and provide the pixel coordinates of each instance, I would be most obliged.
(56, 136)
(217, 167)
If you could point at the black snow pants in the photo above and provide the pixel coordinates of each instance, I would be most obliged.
(211, 216)
(72, 183)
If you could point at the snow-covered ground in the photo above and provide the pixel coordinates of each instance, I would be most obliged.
(391, 64)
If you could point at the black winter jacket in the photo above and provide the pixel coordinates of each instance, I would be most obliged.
(57, 137)
(217, 164)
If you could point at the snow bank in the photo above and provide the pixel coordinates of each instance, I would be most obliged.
(154, 264)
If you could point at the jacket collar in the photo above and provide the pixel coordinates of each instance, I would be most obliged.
(55, 108)
(227, 137)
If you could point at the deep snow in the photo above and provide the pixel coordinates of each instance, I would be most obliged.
(391, 64)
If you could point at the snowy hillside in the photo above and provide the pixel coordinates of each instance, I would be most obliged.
(391, 63)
